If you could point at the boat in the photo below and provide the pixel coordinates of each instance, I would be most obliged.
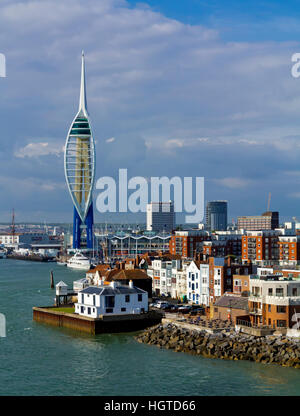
(79, 261)
(61, 263)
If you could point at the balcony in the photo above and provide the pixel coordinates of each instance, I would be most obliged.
(254, 297)
(255, 311)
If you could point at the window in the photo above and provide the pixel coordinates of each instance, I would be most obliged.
(123, 309)
(281, 323)
(109, 310)
(270, 291)
(94, 300)
(281, 309)
(82, 309)
(269, 308)
(89, 311)
(82, 298)
(140, 297)
(294, 291)
(127, 298)
(109, 301)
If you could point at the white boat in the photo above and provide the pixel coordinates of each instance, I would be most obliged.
(79, 261)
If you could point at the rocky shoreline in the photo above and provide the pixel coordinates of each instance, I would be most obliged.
(224, 345)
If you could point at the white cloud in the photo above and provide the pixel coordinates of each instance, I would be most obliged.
(39, 149)
(110, 140)
(234, 183)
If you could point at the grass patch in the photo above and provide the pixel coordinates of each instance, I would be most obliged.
(70, 309)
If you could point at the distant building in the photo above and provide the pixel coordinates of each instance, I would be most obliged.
(267, 221)
(123, 244)
(160, 216)
(216, 215)
(260, 247)
(113, 299)
(187, 243)
(25, 239)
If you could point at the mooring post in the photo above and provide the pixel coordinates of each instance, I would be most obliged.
(51, 280)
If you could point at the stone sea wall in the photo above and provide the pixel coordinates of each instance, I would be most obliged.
(224, 345)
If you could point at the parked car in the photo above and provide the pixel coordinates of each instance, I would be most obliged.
(172, 308)
(162, 305)
(185, 309)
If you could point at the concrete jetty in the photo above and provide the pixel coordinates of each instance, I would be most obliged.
(52, 315)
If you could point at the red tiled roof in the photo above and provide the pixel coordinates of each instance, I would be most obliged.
(134, 274)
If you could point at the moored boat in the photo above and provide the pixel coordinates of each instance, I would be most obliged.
(79, 261)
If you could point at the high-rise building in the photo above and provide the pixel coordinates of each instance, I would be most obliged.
(160, 216)
(216, 215)
(80, 169)
(267, 221)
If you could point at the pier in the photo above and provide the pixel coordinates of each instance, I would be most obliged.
(52, 315)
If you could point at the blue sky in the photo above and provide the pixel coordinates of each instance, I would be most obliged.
(175, 88)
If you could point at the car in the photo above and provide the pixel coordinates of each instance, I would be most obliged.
(185, 309)
(162, 305)
(172, 308)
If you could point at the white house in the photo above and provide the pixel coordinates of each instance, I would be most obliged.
(198, 283)
(113, 299)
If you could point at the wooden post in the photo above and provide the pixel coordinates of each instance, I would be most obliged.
(51, 280)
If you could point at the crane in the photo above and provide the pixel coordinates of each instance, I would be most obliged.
(269, 200)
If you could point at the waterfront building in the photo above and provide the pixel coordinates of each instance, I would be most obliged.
(216, 215)
(221, 272)
(198, 283)
(230, 307)
(160, 216)
(79, 164)
(27, 239)
(169, 276)
(274, 301)
(112, 299)
(267, 221)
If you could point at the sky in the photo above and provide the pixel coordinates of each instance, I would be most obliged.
(175, 88)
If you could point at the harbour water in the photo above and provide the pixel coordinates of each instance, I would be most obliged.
(36, 359)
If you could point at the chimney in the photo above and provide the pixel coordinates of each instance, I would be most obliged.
(113, 284)
(131, 283)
